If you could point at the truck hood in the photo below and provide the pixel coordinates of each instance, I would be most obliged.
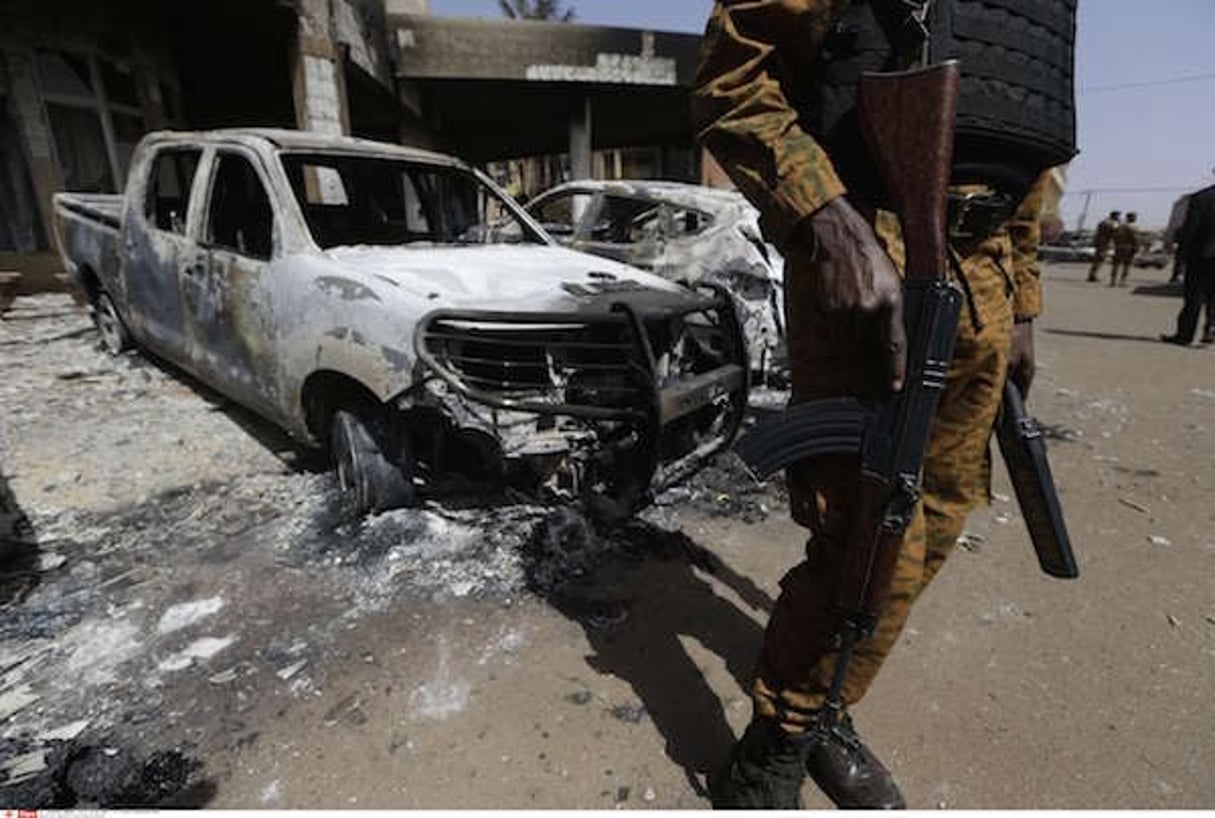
(500, 277)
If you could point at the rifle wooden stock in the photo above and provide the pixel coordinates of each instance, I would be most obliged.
(908, 120)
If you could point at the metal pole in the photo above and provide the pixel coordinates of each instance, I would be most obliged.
(1088, 200)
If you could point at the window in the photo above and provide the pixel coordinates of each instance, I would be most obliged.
(323, 186)
(560, 215)
(627, 221)
(169, 183)
(74, 86)
(80, 147)
(382, 201)
(240, 217)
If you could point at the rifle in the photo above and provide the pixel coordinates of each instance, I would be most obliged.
(908, 120)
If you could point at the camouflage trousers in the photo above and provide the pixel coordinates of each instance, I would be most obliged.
(800, 645)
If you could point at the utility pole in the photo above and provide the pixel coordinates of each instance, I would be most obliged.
(1088, 200)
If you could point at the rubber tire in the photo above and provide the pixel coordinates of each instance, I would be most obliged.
(115, 337)
(1017, 76)
(359, 441)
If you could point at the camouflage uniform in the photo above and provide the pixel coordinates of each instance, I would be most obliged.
(1126, 245)
(1102, 241)
(755, 72)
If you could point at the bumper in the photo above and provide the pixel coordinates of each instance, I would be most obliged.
(675, 379)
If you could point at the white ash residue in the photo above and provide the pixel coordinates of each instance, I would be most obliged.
(444, 695)
(190, 550)
(200, 650)
(96, 649)
(187, 614)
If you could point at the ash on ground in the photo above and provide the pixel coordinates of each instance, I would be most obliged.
(188, 563)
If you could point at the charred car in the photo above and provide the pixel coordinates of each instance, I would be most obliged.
(395, 306)
(684, 233)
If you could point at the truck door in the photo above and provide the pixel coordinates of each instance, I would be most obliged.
(230, 336)
(156, 247)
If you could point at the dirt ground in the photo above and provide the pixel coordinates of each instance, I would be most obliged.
(198, 615)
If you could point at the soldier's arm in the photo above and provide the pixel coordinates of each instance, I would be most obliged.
(1025, 227)
(742, 112)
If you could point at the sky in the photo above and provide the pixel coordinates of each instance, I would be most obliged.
(1154, 136)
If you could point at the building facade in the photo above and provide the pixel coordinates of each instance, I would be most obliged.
(81, 82)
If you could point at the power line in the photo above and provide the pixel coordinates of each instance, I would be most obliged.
(1087, 191)
(1099, 89)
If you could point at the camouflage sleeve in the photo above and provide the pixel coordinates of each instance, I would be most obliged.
(1025, 228)
(741, 106)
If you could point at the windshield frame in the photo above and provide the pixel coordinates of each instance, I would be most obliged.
(532, 233)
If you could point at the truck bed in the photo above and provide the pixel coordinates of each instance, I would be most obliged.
(89, 230)
(105, 208)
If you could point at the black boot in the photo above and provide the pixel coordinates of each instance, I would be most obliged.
(849, 774)
(765, 770)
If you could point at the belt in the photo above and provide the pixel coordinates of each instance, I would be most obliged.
(973, 217)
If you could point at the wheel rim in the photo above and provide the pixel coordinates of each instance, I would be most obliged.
(348, 466)
(109, 326)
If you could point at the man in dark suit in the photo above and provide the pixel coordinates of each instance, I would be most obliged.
(1197, 250)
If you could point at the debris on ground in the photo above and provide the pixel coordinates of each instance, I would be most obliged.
(726, 488)
(969, 541)
(1142, 509)
(629, 713)
(67, 774)
(580, 697)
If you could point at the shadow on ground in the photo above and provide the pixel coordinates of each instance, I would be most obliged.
(1103, 336)
(1168, 289)
(20, 557)
(638, 590)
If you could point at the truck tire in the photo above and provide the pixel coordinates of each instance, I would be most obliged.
(114, 334)
(376, 475)
(1016, 94)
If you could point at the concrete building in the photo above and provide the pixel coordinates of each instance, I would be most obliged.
(82, 81)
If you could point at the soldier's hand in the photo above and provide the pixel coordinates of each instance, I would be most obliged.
(1021, 366)
(857, 287)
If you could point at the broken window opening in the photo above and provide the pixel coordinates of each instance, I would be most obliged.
(561, 214)
(397, 202)
(239, 217)
(623, 220)
(170, 183)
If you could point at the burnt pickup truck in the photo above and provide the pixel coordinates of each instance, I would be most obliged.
(395, 306)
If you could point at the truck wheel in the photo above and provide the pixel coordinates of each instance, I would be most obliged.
(114, 335)
(360, 443)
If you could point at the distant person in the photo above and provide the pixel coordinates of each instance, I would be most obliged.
(1172, 236)
(1103, 241)
(1126, 245)
(1197, 250)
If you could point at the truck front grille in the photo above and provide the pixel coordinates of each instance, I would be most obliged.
(561, 364)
